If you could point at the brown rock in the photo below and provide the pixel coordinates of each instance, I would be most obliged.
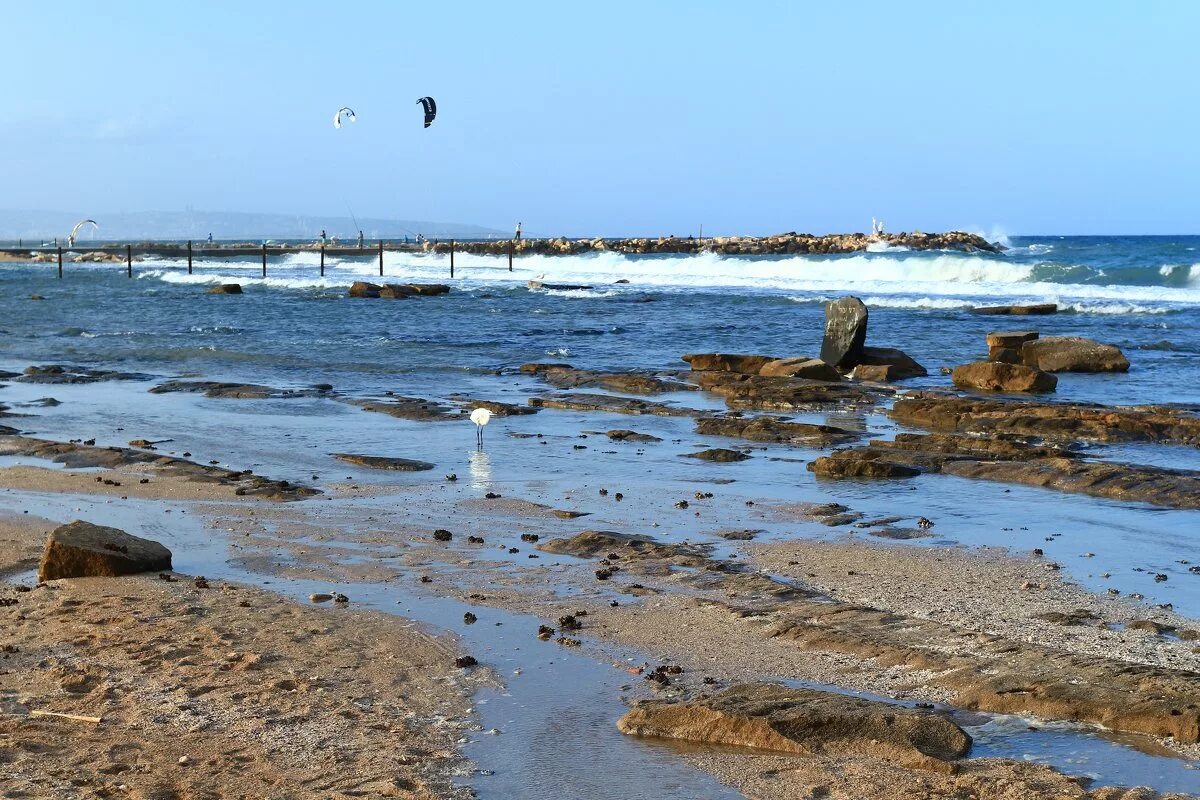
(1005, 355)
(994, 376)
(1073, 354)
(901, 364)
(1040, 309)
(859, 464)
(811, 368)
(719, 455)
(622, 435)
(727, 362)
(804, 722)
(771, 429)
(364, 289)
(82, 550)
(1013, 339)
(226, 288)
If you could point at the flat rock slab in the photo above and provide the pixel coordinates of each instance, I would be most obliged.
(625, 382)
(415, 409)
(727, 362)
(235, 391)
(719, 455)
(772, 429)
(1023, 311)
(804, 722)
(622, 435)
(859, 464)
(1070, 421)
(1073, 354)
(384, 462)
(582, 401)
(60, 374)
(800, 367)
(83, 550)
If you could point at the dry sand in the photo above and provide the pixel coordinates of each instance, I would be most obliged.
(217, 692)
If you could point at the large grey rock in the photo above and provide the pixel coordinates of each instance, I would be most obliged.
(83, 550)
(845, 332)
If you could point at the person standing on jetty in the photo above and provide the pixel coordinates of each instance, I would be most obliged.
(517, 233)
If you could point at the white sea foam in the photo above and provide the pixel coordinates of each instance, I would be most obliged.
(902, 280)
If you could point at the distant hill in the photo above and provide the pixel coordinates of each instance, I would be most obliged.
(38, 225)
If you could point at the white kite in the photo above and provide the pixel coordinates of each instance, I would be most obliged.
(75, 230)
(344, 111)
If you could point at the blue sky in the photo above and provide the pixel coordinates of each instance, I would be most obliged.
(614, 118)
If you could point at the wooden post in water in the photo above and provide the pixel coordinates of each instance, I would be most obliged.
(189, 256)
(381, 258)
(60, 262)
(264, 259)
(129, 260)
(452, 258)
(322, 259)
(511, 246)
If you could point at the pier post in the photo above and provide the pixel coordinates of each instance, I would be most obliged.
(189, 256)
(381, 258)
(511, 246)
(60, 262)
(322, 259)
(264, 259)
(129, 260)
(451, 258)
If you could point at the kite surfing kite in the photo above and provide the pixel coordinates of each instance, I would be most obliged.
(430, 109)
(75, 230)
(344, 111)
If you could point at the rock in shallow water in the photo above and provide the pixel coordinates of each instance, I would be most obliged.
(804, 722)
(995, 376)
(384, 462)
(81, 550)
(1073, 354)
(845, 332)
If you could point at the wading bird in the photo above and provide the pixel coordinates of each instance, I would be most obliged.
(481, 417)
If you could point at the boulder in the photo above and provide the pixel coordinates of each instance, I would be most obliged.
(727, 362)
(804, 722)
(811, 368)
(364, 289)
(623, 435)
(1005, 355)
(845, 332)
(1033, 310)
(901, 364)
(855, 464)
(993, 376)
(226, 288)
(719, 454)
(1012, 339)
(83, 550)
(1073, 354)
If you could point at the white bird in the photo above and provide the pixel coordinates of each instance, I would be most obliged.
(481, 417)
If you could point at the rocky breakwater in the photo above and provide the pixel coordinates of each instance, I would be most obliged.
(780, 244)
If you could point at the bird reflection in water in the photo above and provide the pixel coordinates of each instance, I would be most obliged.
(480, 467)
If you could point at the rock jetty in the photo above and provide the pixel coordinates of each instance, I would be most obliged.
(779, 244)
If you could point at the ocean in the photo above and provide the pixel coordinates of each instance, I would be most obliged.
(1140, 293)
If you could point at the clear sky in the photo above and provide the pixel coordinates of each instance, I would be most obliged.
(614, 117)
